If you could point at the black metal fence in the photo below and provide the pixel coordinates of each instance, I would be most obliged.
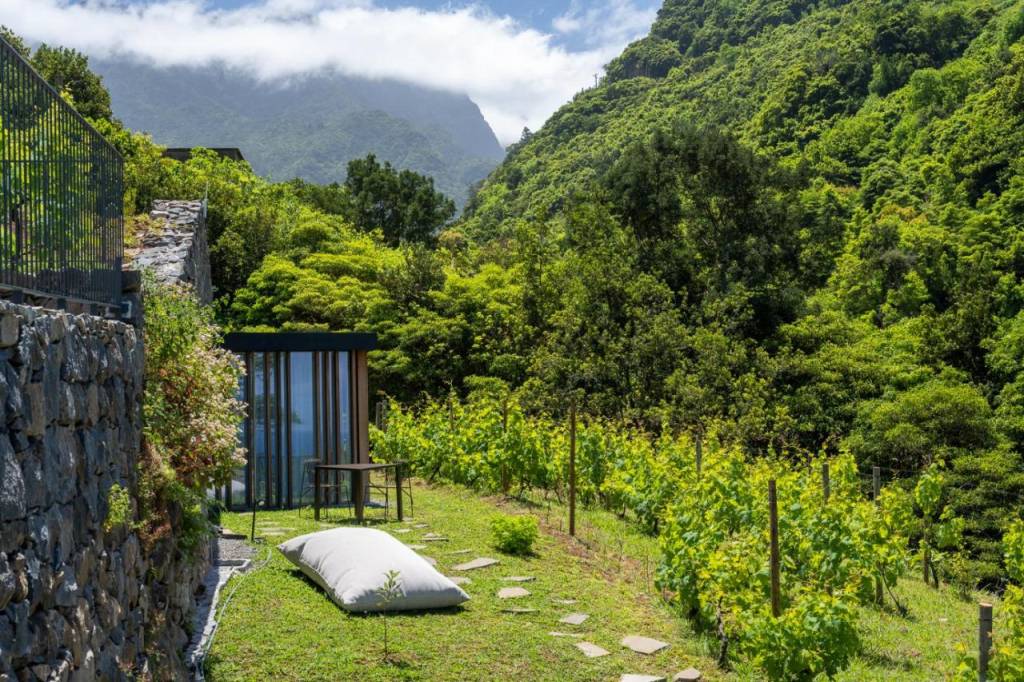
(62, 226)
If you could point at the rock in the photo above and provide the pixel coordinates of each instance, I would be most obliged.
(518, 610)
(520, 578)
(643, 645)
(12, 483)
(36, 408)
(688, 675)
(556, 633)
(482, 562)
(434, 537)
(591, 650)
(512, 593)
(8, 584)
(10, 330)
(574, 619)
(459, 579)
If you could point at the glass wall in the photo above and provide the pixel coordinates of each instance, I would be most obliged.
(299, 411)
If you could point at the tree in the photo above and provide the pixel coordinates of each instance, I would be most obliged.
(68, 71)
(402, 204)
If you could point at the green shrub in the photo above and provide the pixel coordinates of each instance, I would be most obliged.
(119, 508)
(514, 534)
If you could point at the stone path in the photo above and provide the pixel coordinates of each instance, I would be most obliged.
(430, 560)
(641, 678)
(459, 579)
(643, 645)
(512, 593)
(574, 619)
(688, 675)
(591, 650)
(482, 562)
(519, 610)
(434, 537)
(567, 602)
(556, 633)
(519, 578)
(230, 555)
(416, 546)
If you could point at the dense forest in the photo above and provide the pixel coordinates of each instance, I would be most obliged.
(796, 225)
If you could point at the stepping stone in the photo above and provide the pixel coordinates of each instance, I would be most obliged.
(688, 675)
(519, 610)
(643, 645)
(482, 562)
(567, 602)
(416, 546)
(520, 578)
(270, 533)
(556, 633)
(434, 537)
(459, 579)
(641, 678)
(512, 593)
(430, 560)
(403, 530)
(420, 525)
(591, 650)
(461, 551)
(574, 619)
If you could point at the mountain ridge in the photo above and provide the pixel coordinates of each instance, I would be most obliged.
(309, 126)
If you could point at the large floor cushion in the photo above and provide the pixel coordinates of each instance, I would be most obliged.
(351, 564)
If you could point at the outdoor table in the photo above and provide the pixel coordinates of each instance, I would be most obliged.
(360, 472)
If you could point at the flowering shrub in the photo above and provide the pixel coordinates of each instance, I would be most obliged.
(190, 406)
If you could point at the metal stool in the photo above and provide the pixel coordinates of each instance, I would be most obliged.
(307, 484)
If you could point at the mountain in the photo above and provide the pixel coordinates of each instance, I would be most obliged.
(307, 127)
(787, 77)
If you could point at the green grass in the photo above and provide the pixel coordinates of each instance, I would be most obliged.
(279, 626)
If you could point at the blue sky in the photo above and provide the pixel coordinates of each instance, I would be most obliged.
(519, 60)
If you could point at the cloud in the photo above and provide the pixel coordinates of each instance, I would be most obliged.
(517, 75)
(615, 22)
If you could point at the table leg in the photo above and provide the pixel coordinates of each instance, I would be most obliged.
(316, 494)
(358, 493)
(398, 489)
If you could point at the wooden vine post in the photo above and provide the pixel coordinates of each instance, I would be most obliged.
(505, 482)
(773, 529)
(698, 442)
(876, 489)
(572, 468)
(984, 639)
(826, 484)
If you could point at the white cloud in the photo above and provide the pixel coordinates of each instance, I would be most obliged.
(614, 22)
(517, 75)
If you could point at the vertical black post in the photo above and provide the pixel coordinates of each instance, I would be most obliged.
(572, 468)
(773, 529)
(279, 473)
(506, 483)
(984, 639)
(266, 427)
(288, 424)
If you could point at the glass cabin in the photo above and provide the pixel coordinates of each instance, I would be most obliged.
(306, 399)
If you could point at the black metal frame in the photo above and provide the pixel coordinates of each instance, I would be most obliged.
(61, 194)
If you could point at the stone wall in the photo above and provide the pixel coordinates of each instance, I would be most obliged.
(77, 601)
(178, 251)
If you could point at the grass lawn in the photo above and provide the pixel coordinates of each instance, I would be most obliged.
(279, 626)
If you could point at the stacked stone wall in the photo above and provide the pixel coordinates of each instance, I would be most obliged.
(79, 601)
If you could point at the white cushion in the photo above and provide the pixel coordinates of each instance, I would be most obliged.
(350, 565)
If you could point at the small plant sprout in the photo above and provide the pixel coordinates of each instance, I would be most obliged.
(390, 590)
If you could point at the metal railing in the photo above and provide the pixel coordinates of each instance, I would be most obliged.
(62, 185)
